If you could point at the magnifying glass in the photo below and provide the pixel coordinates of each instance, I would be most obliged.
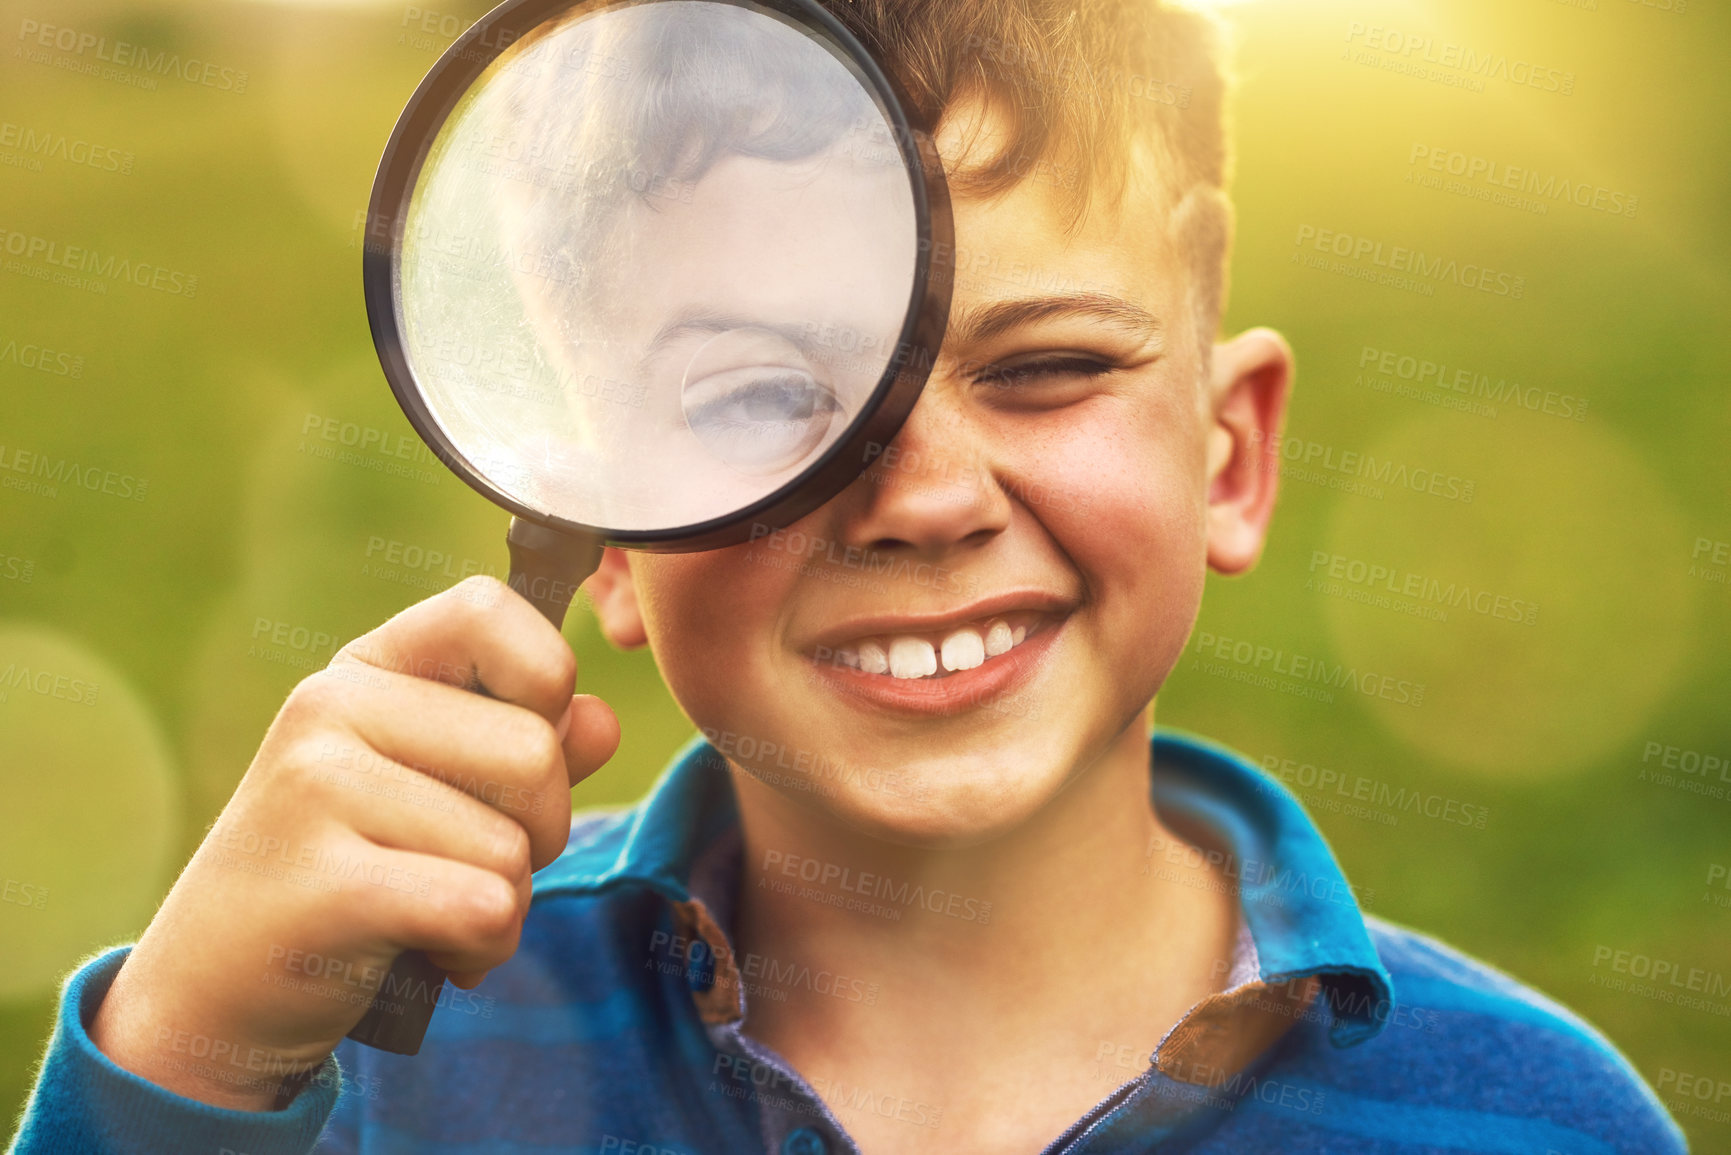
(656, 274)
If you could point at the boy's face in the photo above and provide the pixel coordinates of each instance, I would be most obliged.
(1063, 483)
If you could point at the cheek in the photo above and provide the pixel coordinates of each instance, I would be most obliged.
(1124, 499)
(711, 617)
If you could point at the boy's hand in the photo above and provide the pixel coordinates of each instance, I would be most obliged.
(390, 807)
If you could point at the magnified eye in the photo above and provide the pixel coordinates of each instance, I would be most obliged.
(753, 400)
(759, 418)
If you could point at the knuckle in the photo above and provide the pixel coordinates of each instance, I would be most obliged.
(548, 840)
(459, 608)
(510, 851)
(530, 746)
(374, 650)
(485, 582)
(362, 649)
(561, 668)
(476, 595)
(305, 755)
(542, 748)
(315, 699)
(489, 908)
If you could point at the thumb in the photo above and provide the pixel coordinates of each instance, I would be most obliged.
(589, 734)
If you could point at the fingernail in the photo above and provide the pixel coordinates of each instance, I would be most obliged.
(565, 722)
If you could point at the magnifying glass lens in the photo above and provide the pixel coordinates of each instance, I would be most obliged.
(656, 262)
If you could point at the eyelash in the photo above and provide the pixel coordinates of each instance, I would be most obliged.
(1011, 376)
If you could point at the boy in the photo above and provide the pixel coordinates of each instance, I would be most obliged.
(914, 879)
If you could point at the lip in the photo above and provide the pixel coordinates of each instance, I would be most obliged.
(986, 686)
(852, 629)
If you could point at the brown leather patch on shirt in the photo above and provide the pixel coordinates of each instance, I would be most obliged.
(1225, 1032)
(720, 1003)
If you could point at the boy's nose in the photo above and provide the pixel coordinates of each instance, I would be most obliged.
(933, 489)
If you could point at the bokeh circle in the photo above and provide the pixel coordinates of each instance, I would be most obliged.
(1566, 611)
(84, 757)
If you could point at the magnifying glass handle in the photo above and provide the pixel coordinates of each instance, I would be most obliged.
(547, 566)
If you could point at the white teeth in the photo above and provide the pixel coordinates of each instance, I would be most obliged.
(872, 658)
(912, 658)
(963, 650)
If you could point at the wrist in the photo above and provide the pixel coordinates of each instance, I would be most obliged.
(191, 1056)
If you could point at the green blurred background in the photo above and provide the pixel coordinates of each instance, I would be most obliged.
(228, 560)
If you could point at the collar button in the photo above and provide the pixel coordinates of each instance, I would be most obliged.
(700, 967)
(804, 1141)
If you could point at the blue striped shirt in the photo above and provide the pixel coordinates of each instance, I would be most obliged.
(616, 1029)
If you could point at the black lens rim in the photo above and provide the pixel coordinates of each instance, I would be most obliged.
(891, 401)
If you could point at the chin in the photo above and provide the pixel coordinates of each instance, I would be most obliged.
(947, 803)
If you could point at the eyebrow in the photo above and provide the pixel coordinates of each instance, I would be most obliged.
(711, 321)
(986, 321)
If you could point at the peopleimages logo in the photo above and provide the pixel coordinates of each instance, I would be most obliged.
(1353, 471)
(899, 892)
(1420, 55)
(1258, 880)
(32, 471)
(34, 145)
(82, 261)
(1699, 980)
(1246, 661)
(763, 975)
(1401, 259)
(121, 54)
(1454, 379)
(47, 683)
(1378, 577)
(862, 560)
(1498, 176)
(41, 358)
(1307, 777)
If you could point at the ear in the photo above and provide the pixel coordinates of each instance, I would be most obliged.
(613, 593)
(1248, 386)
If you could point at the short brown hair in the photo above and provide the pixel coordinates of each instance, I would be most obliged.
(1078, 83)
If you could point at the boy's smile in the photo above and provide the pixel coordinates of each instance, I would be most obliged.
(992, 604)
(941, 663)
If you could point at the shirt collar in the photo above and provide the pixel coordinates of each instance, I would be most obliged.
(1302, 915)
(653, 843)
